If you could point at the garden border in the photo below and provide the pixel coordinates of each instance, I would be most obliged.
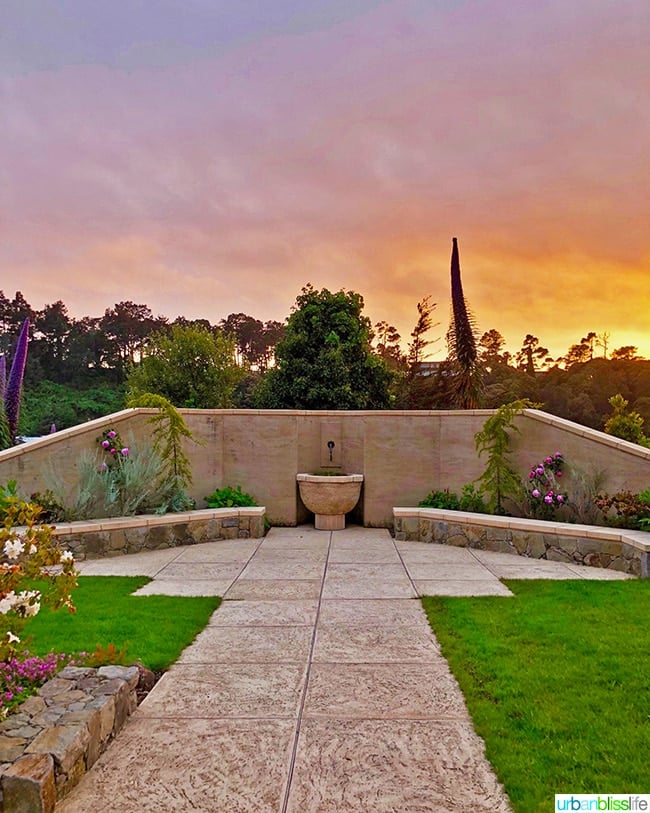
(591, 545)
(100, 538)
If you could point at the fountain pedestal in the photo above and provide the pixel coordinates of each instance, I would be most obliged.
(330, 497)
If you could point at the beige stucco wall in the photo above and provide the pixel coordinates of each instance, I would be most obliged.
(402, 455)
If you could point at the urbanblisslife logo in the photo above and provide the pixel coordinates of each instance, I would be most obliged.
(607, 802)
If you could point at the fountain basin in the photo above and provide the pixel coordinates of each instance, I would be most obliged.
(330, 497)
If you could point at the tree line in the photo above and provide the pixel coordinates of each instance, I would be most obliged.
(330, 356)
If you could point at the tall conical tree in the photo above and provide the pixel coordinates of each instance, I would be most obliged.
(5, 434)
(467, 383)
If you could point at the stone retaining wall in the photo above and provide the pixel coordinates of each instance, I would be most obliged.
(113, 537)
(59, 733)
(617, 549)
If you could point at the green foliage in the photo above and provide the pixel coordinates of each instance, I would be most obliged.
(52, 507)
(325, 360)
(624, 423)
(134, 486)
(190, 366)
(470, 500)
(169, 429)
(499, 480)
(625, 509)
(545, 673)
(46, 403)
(5, 434)
(229, 497)
(441, 499)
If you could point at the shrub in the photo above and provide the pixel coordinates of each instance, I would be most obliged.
(543, 494)
(229, 497)
(441, 499)
(625, 509)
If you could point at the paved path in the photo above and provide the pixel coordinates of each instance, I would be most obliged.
(317, 687)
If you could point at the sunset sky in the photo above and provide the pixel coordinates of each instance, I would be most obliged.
(205, 157)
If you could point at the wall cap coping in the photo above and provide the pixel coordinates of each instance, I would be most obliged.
(636, 539)
(150, 520)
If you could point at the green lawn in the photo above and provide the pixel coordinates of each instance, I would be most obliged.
(154, 629)
(557, 681)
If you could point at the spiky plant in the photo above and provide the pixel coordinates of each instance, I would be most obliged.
(467, 380)
(15, 383)
(5, 435)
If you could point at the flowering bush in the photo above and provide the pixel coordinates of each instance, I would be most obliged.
(543, 490)
(111, 444)
(28, 551)
(21, 676)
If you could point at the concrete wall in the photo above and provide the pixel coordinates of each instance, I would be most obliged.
(402, 455)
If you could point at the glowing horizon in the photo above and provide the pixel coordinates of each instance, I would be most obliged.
(206, 160)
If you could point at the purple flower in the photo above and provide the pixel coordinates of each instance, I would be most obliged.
(15, 383)
(548, 499)
(105, 444)
(531, 475)
(125, 451)
(560, 498)
(558, 474)
(113, 451)
(535, 492)
(112, 434)
(558, 454)
(549, 460)
(539, 469)
(103, 467)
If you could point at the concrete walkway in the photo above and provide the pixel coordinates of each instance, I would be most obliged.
(317, 687)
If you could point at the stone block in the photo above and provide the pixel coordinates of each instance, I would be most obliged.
(105, 704)
(67, 744)
(117, 540)
(425, 532)
(554, 554)
(28, 785)
(230, 522)
(11, 748)
(91, 718)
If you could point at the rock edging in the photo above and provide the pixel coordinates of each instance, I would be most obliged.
(59, 733)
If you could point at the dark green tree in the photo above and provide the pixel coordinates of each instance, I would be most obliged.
(467, 380)
(325, 360)
(190, 366)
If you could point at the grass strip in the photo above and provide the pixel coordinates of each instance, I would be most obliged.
(557, 681)
(152, 629)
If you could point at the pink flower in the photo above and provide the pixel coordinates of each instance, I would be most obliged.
(548, 499)
(105, 444)
(549, 460)
(539, 470)
(558, 474)
(113, 451)
(535, 492)
(125, 451)
(560, 498)
(111, 434)
(558, 454)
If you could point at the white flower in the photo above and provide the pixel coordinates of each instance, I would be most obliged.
(13, 639)
(32, 609)
(32, 549)
(8, 602)
(13, 548)
(67, 556)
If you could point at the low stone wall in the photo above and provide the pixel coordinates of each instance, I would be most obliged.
(617, 549)
(113, 537)
(59, 733)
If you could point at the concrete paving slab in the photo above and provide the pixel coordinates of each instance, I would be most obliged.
(349, 766)
(368, 588)
(265, 613)
(239, 550)
(359, 555)
(227, 690)
(290, 569)
(441, 571)
(216, 765)
(366, 612)
(371, 644)
(453, 587)
(437, 553)
(273, 589)
(206, 571)
(367, 570)
(395, 691)
(134, 564)
(171, 587)
(598, 573)
(547, 570)
(249, 645)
